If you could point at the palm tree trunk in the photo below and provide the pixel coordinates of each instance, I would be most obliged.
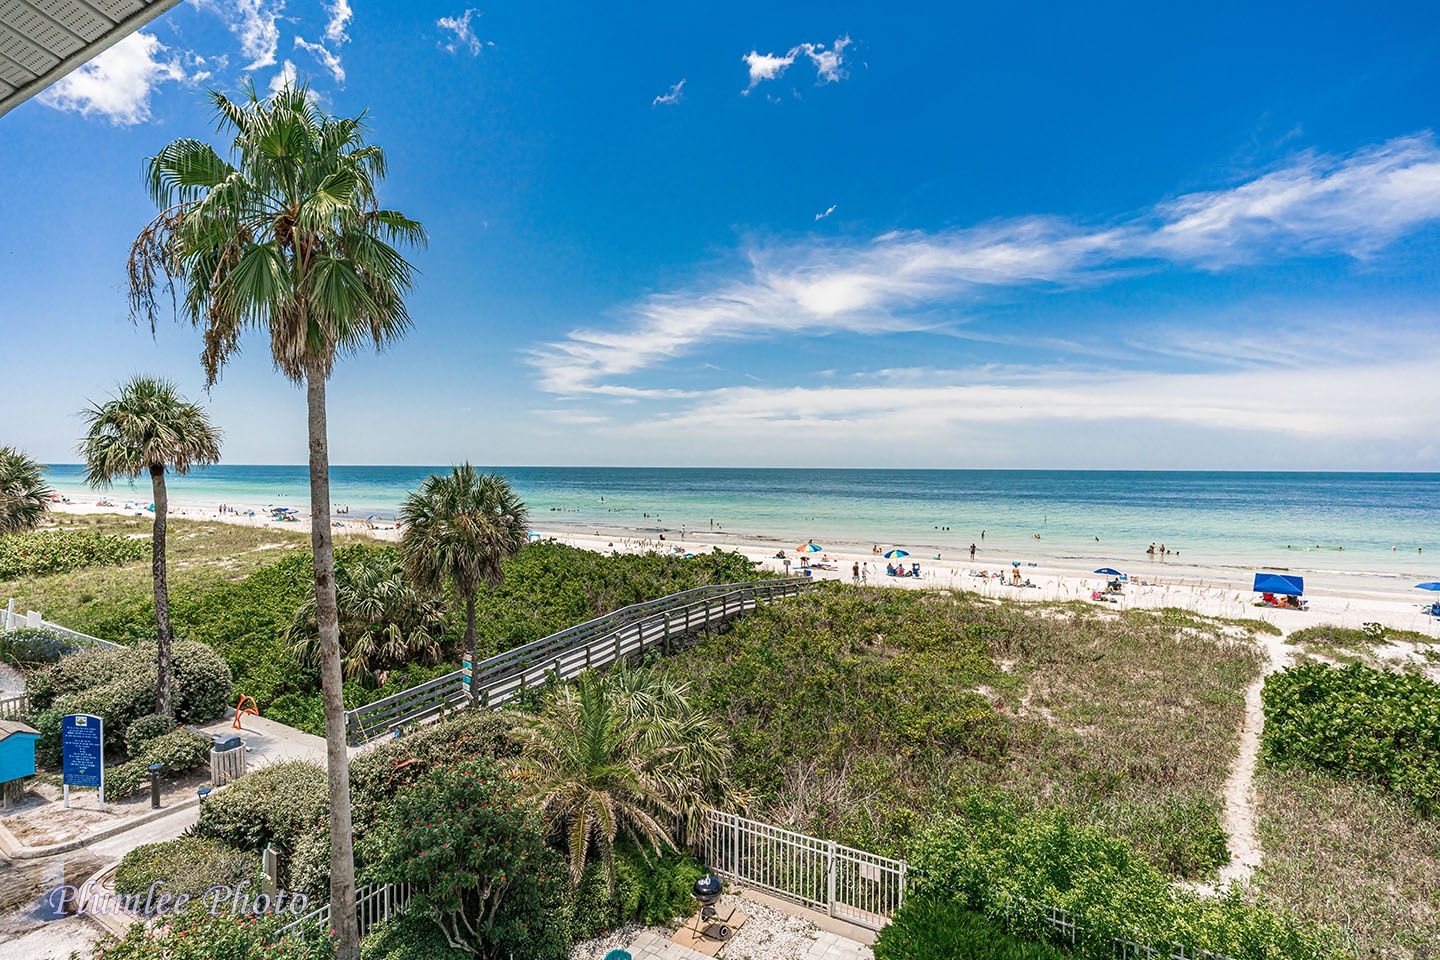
(162, 595)
(471, 644)
(342, 855)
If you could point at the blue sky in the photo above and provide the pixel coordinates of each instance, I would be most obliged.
(926, 235)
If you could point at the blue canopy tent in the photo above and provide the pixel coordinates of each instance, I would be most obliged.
(1280, 585)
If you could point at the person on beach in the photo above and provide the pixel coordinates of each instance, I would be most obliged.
(972, 551)
(855, 573)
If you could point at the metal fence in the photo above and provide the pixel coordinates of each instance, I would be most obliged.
(373, 905)
(31, 620)
(863, 888)
(626, 632)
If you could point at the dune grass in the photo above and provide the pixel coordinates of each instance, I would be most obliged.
(1354, 855)
(861, 715)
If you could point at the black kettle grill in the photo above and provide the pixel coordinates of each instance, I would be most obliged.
(707, 893)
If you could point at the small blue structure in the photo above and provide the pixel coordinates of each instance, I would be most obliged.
(17, 758)
(1281, 585)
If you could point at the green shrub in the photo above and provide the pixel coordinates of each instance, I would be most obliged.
(118, 685)
(176, 751)
(1012, 867)
(59, 551)
(408, 938)
(1359, 722)
(196, 935)
(30, 647)
(139, 734)
(935, 928)
(188, 865)
(652, 892)
(276, 805)
(476, 857)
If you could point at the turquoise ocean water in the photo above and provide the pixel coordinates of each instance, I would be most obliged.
(1316, 521)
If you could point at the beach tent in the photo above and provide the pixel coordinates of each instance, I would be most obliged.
(1280, 585)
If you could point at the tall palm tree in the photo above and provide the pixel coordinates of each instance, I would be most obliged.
(622, 752)
(286, 238)
(386, 620)
(458, 527)
(148, 427)
(24, 497)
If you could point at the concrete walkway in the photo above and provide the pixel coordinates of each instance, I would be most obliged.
(268, 742)
(774, 929)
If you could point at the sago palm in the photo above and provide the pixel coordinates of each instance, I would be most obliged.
(286, 239)
(148, 427)
(457, 529)
(621, 753)
(24, 497)
(386, 621)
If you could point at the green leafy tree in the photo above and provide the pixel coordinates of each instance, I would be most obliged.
(622, 753)
(148, 427)
(286, 238)
(458, 528)
(475, 855)
(24, 497)
(386, 621)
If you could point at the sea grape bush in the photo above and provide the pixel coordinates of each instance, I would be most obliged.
(1359, 722)
(60, 551)
(1012, 867)
(476, 857)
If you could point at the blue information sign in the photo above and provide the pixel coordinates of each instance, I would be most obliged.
(82, 739)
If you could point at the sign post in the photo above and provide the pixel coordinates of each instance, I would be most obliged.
(82, 747)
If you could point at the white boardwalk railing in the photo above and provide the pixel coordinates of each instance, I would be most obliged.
(373, 905)
(31, 620)
(627, 632)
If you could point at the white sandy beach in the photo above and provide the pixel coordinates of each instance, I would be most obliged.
(1344, 599)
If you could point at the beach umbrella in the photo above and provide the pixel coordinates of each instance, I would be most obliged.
(1432, 585)
(897, 552)
(1110, 572)
(807, 548)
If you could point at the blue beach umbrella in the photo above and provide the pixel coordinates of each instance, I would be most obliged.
(897, 552)
(1432, 585)
(1110, 572)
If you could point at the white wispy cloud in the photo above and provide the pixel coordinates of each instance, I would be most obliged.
(284, 78)
(1315, 205)
(464, 34)
(1354, 205)
(828, 210)
(672, 97)
(253, 23)
(829, 63)
(326, 59)
(766, 66)
(118, 83)
(340, 17)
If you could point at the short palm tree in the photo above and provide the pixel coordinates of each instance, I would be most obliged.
(24, 497)
(621, 753)
(286, 239)
(148, 427)
(456, 529)
(386, 621)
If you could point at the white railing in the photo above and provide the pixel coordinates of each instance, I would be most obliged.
(863, 888)
(31, 620)
(374, 904)
(655, 624)
(12, 708)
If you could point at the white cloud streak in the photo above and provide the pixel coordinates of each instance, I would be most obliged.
(828, 210)
(669, 98)
(1316, 205)
(464, 34)
(340, 17)
(829, 63)
(284, 78)
(326, 59)
(253, 23)
(118, 83)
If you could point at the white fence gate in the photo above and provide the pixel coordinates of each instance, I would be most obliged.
(863, 888)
